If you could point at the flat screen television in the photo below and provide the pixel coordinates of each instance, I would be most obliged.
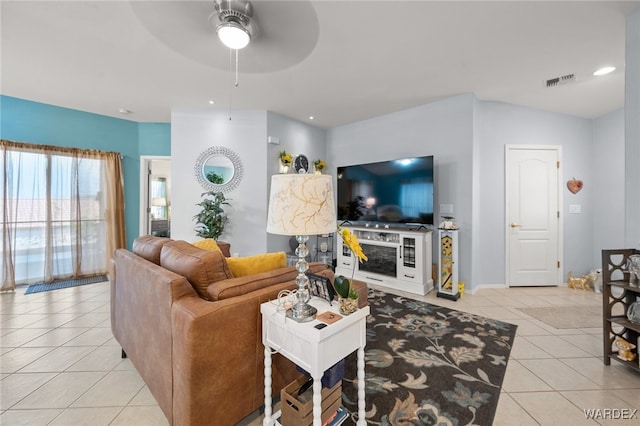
(389, 192)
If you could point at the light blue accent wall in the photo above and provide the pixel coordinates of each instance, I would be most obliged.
(154, 139)
(33, 122)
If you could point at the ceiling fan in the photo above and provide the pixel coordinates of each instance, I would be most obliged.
(233, 21)
(281, 33)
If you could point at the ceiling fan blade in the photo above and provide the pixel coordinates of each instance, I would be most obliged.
(287, 32)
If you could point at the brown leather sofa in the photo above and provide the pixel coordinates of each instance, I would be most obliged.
(194, 334)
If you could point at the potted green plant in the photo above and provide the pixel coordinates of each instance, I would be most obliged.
(211, 220)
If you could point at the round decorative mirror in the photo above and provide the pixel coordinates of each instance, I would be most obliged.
(218, 169)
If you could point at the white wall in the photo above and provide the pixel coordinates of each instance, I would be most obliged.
(296, 138)
(503, 124)
(195, 130)
(466, 137)
(608, 170)
(632, 130)
(443, 129)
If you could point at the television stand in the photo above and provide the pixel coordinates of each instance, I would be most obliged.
(397, 258)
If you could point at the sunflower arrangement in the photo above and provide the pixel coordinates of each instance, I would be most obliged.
(351, 241)
(319, 165)
(342, 284)
(285, 158)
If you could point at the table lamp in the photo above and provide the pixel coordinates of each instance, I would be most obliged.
(301, 205)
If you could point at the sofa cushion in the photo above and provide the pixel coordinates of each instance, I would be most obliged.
(249, 265)
(149, 247)
(200, 267)
(211, 244)
(207, 244)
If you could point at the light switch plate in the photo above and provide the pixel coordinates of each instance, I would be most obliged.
(446, 209)
(575, 208)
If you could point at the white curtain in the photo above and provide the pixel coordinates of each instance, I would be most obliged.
(57, 212)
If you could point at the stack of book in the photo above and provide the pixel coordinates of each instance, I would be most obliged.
(338, 418)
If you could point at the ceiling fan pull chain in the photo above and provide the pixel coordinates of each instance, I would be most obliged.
(231, 88)
(236, 67)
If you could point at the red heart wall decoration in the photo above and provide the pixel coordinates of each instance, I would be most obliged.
(574, 185)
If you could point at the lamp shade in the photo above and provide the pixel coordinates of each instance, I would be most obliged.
(301, 204)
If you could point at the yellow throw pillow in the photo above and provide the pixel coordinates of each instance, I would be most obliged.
(207, 244)
(249, 265)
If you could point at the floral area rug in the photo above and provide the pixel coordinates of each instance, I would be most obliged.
(428, 365)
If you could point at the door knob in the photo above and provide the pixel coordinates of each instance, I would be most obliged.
(515, 225)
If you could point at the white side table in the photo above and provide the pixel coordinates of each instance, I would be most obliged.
(312, 349)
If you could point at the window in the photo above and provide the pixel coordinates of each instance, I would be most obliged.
(57, 205)
(159, 208)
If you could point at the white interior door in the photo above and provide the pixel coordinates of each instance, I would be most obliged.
(533, 226)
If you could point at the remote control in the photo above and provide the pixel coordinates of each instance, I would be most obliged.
(320, 326)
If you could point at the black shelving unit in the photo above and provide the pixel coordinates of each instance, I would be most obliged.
(617, 289)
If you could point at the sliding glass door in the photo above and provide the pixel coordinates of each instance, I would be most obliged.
(54, 208)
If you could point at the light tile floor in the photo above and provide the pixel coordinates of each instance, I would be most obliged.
(60, 365)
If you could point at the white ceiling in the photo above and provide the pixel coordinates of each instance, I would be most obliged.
(340, 61)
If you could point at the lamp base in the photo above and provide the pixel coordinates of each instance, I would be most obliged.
(302, 312)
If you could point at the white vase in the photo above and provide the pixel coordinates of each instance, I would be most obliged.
(284, 168)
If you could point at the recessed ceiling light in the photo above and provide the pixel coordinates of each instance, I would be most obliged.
(212, 102)
(604, 71)
(311, 117)
(124, 111)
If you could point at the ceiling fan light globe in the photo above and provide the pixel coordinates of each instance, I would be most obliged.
(233, 35)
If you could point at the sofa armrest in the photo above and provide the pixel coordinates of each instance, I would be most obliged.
(225, 248)
(218, 357)
(363, 293)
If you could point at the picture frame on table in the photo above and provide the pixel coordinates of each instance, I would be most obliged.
(321, 287)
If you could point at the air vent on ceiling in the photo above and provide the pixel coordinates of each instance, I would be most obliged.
(565, 79)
